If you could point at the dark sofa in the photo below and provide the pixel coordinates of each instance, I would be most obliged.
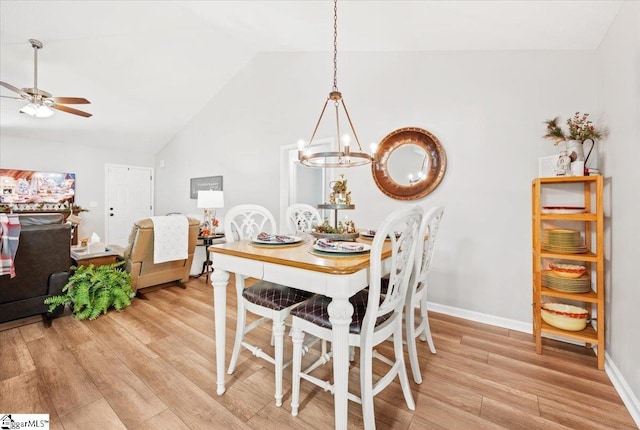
(42, 267)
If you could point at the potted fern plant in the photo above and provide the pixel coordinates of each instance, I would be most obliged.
(92, 291)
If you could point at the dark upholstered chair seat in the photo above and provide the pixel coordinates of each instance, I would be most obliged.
(384, 284)
(315, 311)
(274, 296)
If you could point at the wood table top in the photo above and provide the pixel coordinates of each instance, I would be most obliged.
(300, 255)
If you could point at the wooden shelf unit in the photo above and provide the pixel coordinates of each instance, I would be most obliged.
(592, 227)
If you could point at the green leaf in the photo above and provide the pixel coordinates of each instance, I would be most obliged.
(94, 290)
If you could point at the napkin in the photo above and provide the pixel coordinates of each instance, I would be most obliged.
(343, 246)
(95, 245)
(274, 238)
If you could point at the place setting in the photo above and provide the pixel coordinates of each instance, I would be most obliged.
(328, 248)
(370, 234)
(266, 240)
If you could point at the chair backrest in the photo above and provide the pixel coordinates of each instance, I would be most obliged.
(400, 229)
(302, 217)
(139, 256)
(424, 248)
(245, 222)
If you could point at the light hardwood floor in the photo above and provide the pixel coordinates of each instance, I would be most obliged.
(152, 366)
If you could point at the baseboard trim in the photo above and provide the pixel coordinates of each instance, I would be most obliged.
(629, 399)
(620, 384)
(481, 318)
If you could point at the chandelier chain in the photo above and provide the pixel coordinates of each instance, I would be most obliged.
(335, 45)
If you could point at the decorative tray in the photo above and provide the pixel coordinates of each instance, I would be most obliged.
(336, 236)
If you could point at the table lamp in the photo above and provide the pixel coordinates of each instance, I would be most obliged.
(208, 200)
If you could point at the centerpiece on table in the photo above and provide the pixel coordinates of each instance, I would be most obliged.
(580, 130)
(343, 231)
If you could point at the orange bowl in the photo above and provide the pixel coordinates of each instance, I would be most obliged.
(567, 270)
(563, 316)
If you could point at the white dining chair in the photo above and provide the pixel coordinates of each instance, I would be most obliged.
(269, 300)
(375, 317)
(302, 217)
(417, 294)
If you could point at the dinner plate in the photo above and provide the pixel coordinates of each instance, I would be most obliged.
(294, 239)
(370, 234)
(365, 248)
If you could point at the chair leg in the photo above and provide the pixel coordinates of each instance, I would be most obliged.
(278, 334)
(426, 332)
(366, 387)
(402, 369)
(297, 336)
(242, 316)
(410, 336)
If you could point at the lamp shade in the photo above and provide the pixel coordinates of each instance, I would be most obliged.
(210, 199)
(37, 110)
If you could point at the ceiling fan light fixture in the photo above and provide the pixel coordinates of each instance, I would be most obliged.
(344, 156)
(37, 111)
(41, 103)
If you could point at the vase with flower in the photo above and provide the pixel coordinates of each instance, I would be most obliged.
(580, 130)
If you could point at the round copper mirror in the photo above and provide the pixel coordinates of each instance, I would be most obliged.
(410, 163)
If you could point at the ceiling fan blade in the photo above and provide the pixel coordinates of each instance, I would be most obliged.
(71, 110)
(71, 100)
(11, 97)
(14, 89)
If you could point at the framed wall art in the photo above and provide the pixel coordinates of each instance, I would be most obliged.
(20, 187)
(213, 183)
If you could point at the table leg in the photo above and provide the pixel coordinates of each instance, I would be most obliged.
(219, 280)
(340, 311)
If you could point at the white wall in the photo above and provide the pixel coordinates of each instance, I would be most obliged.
(487, 108)
(86, 162)
(619, 57)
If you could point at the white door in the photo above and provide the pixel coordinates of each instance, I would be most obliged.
(129, 192)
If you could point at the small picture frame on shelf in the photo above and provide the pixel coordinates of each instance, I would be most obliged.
(547, 166)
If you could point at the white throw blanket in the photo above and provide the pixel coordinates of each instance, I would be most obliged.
(170, 237)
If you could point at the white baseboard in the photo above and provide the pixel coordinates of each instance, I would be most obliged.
(481, 318)
(629, 399)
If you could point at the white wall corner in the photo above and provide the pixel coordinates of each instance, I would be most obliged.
(624, 391)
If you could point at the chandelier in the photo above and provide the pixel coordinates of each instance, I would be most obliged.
(344, 156)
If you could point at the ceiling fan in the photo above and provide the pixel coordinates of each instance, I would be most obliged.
(41, 102)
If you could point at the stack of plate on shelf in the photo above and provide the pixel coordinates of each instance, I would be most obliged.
(582, 284)
(562, 240)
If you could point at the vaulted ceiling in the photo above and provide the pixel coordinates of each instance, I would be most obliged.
(149, 66)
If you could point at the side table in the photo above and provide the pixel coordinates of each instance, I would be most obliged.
(81, 257)
(207, 241)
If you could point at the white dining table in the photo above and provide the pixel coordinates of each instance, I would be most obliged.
(338, 277)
